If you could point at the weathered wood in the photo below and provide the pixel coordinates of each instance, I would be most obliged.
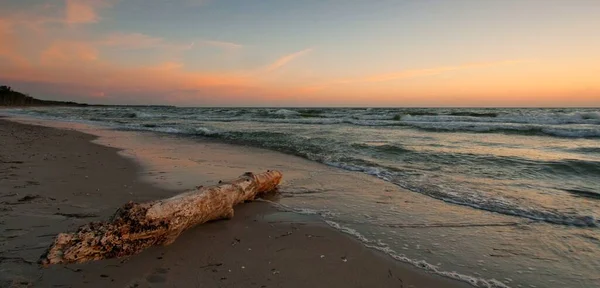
(135, 227)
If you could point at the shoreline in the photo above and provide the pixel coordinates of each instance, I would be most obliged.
(260, 247)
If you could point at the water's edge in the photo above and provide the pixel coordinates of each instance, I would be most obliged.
(375, 245)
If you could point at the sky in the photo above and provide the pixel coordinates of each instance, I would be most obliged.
(378, 53)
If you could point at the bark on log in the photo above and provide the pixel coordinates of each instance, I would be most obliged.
(135, 227)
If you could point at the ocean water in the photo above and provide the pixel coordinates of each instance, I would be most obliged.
(539, 169)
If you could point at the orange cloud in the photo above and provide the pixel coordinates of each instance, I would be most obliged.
(135, 41)
(10, 44)
(84, 11)
(407, 74)
(77, 67)
(5, 26)
(98, 94)
(434, 71)
(222, 44)
(71, 65)
(33, 18)
(287, 59)
(80, 11)
(36, 17)
(67, 52)
(132, 41)
(6, 45)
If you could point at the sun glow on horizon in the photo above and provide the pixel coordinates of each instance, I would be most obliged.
(388, 53)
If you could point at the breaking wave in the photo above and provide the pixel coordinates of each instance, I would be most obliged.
(391, 162)
(324, 150)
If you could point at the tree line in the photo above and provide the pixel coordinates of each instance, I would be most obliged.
(10, 97)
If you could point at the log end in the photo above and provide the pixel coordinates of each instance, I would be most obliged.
(135, 227)
(55, 254)
(267, 181)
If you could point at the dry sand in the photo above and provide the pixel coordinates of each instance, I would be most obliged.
(54, 180)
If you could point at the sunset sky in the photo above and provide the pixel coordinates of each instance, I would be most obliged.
(304, 53)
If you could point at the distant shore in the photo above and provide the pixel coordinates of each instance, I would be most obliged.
(10, 98)
(54, 180)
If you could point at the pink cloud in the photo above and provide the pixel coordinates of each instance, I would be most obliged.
(84, 11)
(36, 17)
(98, 94)
(132, 41)
(167, 66)
(78, 65)
(68, 52)
(74, 66)
(10, 44)
(80, 11)
(287, 59)
(434, 71)
(400, 75)
(5, 26)
(222, 44)
(135, 41)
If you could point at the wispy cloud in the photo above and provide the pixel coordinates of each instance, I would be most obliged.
(287, 59)
(221, 44)
(132, 41)
(405, 74)
(83, 11)
(433, 71)
(35, 18)
(72, 12)
(10, 44)
(69, 52)
(167, 66)
(136, 41)
(5, 26)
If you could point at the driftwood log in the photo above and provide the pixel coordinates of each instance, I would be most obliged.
(135, 227)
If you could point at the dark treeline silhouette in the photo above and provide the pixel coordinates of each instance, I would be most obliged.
(9, 97)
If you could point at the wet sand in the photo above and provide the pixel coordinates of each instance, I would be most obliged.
(54, 180)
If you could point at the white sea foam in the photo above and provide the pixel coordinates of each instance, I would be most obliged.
(572, 131)
(145, 114)
(205, 131)
(477, 200)
(170, 130)
(573, 125)
(304, 211)
(297, 138)
(380, 246)
(286, 112)
(528, 117)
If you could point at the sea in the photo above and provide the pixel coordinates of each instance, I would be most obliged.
(537, 170)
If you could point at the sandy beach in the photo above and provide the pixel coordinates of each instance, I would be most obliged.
(54, 180)
(320, 143)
